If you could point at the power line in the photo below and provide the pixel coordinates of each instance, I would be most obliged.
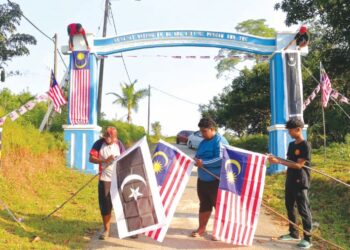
(116, 33)
(43, 33)
(176, 97)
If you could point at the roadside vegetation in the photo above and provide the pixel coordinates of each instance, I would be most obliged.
(330, 201)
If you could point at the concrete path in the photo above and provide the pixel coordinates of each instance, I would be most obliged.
(186, 220)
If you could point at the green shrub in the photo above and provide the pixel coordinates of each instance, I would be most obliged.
(17, 137)
(256, 143)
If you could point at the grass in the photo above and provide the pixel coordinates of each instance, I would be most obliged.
(32, 186)
(330, 201)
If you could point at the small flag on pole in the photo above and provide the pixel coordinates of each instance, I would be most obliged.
(56, 94)
(239, 197)
(326, 86)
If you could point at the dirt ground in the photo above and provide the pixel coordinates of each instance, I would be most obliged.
(186, 220)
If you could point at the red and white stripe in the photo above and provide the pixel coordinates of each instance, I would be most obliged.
(172, 190)
(79, 97)
(236, 216)
(57, 97)
(326, 87)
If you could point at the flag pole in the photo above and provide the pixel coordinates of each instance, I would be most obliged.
(324, 134)
(210, 173)
(323, 118)
(64, 203)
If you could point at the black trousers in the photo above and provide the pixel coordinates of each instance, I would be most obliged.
(296, 197)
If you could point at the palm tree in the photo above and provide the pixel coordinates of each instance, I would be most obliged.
(130, 97)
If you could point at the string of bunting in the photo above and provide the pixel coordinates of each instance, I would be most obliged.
(15, 114)
(335, 94)
(217, 57)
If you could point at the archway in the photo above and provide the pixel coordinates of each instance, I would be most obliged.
(285, 82)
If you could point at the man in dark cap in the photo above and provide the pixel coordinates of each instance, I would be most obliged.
(297, 183)
(103, 152)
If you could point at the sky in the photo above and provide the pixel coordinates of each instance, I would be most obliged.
(193, 80)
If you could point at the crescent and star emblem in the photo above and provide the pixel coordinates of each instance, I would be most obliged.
(230, 175)
(80, 57)
(291, 61)
(134, 191)
(157, 165)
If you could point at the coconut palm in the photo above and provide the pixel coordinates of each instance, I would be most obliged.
(130, 97)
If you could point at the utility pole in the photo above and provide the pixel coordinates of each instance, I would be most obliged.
(149, 108)
(102, 63)
(55, 56)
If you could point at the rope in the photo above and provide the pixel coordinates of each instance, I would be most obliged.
(282, 216)
(317, 171)
(340, 107)
(313, 235)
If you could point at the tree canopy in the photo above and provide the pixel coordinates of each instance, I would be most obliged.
(256, 27)
(12, 43)
(130, 97)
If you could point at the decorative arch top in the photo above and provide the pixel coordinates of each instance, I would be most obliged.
(175, 38)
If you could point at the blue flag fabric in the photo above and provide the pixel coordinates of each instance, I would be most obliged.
(163, 159)
(81, 60)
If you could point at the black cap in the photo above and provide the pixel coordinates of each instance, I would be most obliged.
(294, 123)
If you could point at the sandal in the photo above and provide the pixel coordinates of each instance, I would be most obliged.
(213, 238)
(104, 235)
(196, 234)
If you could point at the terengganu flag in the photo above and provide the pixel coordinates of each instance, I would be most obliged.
(135, 196)
(173, 170)
(56, 94)
(79, 93)
(326, 86)
(293, 85)
(239, 197)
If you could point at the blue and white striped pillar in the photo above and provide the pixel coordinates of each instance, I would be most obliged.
(80, 138)
(278, 134)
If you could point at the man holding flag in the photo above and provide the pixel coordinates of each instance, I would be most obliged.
(208, 156)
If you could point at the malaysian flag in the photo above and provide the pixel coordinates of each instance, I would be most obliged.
(30, 105)
(326, 86)
(239, 197)
(56, 94)
(79, 94)
(22, 110)
(173, 170)
(13, 115)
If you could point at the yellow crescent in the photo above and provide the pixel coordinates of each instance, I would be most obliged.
(161, 153)
(82, 66)
(234, 162)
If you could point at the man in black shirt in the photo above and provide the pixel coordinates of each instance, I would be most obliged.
(297, 182)
(301, 39)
